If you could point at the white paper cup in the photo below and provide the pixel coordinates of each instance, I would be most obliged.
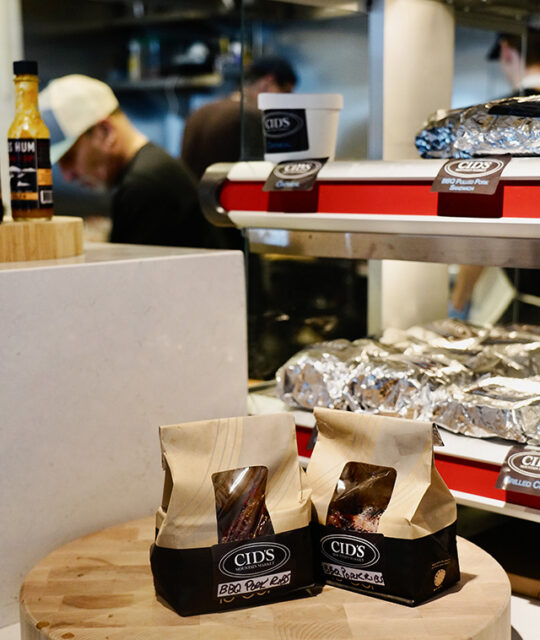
(300, 125)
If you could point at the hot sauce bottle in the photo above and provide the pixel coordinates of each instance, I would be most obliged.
(30, 173)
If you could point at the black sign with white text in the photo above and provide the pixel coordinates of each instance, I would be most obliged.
(251, 566)
(471, 175)
(294, 175)
(521, 470)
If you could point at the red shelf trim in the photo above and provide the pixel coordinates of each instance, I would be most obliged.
(511, 200)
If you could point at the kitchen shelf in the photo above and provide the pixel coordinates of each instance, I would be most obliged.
(387, 210)
(170, 83)
(74, 28)
(382, 210)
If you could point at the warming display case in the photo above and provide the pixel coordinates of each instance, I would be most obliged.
(364, 210)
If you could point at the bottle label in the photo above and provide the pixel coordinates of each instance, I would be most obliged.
(30, 174)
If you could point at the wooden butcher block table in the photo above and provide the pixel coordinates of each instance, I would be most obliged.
(100, 588)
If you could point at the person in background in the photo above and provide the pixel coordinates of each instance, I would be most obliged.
(154, 199)
(523, 74)
(229, 130)
(213, 133)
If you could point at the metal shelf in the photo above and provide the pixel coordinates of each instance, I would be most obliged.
(446, 249)
(170, 83)
(381, 210)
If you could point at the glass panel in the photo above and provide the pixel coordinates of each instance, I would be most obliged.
(297, 300)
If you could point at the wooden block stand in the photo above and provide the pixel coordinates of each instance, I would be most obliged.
(100, 588)
(61, 237)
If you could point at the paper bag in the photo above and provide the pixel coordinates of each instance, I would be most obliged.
(386, 518)
(233, 528)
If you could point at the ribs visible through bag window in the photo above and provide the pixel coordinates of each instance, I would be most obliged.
(361, 496)
(240, 504)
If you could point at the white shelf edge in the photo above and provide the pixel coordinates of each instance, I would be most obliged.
(525, 228)
(496, 506)
(381, 170)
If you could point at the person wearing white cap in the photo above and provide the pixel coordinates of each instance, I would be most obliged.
(154, 196)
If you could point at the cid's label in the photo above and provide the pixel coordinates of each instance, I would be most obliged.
(244, 568)
(30, 174)
(472, 175)
(285, 130)
(352, 557)
(294, 175)
(521, 470)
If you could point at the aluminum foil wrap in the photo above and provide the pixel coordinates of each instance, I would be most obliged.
(498, 406)
(437, 138)
(427, 372)
(401, 384)
(316, 376)
(510, 125)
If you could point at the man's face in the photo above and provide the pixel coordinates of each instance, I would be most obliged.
(89, 161)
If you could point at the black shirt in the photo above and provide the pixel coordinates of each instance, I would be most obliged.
(155, 202)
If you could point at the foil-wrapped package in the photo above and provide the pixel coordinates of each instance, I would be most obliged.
(498, 406)
(401, 384)
(437, 138)
(511, 360)
(317, 375)
(449, 334)
(510, 125)
(421, 373)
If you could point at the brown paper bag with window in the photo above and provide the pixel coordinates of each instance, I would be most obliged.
(386, 518)
(233, 527)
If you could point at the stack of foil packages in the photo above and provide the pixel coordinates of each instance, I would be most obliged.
(508, 126)
(479, 381)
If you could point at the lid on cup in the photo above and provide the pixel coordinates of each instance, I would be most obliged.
(300, 101)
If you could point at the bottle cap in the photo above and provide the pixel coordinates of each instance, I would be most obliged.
(25, 67)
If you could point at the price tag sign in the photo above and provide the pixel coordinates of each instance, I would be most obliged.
(472, 175)
(521, 470)
(294, 175)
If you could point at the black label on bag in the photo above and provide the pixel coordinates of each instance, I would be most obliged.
(294, 175)
(521, 470)
(352, 557)
(235, 574)
(30, 173)
(402, 570)
(285, 130)
(471, 175)
(248, 567)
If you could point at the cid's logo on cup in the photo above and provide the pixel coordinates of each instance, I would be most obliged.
(473, 168)
(525, 462)
(301, 169)
(279, 124)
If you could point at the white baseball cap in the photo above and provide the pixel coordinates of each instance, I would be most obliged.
(72, 104)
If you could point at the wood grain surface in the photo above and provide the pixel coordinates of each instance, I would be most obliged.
(21, 240)
(100, 587)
